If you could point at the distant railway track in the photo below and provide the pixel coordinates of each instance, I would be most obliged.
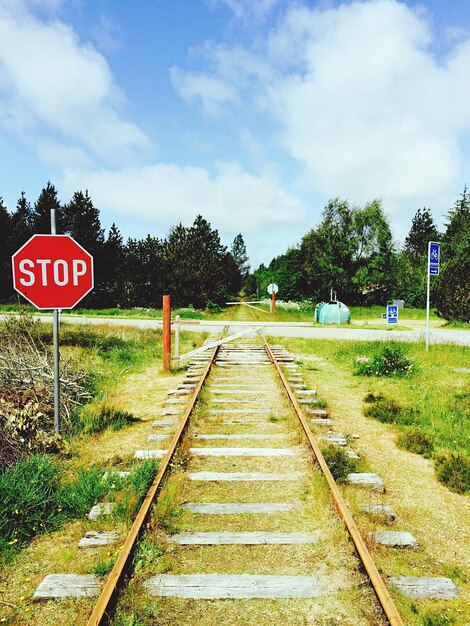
(244, 385)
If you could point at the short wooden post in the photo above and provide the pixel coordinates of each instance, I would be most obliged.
(177, 340)
(166, 333)
(273, 302)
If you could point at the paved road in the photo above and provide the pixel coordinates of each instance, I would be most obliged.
(288, 329)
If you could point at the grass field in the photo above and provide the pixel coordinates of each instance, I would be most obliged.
(429, 410)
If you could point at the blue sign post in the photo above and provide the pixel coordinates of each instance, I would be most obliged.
(392, 314)
(434, 260)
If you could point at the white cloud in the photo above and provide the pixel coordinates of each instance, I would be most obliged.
(372, 114)
(361, 100)
(212, 92)
(50, 82)
(247, 10)
(231, 71)
(164, 194)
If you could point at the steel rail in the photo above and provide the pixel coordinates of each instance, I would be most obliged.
(378, 584)
(103, 608)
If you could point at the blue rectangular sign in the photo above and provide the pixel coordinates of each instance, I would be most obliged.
(434, 258)
(392, 314)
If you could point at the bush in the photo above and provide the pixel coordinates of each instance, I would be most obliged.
(391, 361)
(390, 412)
(371, 397)
(29, 502)
(212, 307)
(27, 426)
(416, 440)
(453, 470)
(339, 463)
(95, 422)
(34, 501)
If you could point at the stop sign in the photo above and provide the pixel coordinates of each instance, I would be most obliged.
(52, 271)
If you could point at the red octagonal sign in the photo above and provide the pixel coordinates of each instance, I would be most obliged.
(52, 271)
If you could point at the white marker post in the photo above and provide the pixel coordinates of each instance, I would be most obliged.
(177, 340)
(434, 259)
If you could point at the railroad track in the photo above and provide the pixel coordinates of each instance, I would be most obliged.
(261, 543)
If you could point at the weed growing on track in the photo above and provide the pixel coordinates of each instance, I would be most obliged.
(167, 514)
(339, 463)
(134, 488)
(103, 568)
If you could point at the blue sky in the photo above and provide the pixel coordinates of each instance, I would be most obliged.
(252, 113)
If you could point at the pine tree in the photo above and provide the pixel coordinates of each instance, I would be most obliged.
(423, 229)
(42, 209)
(452, 291)
(457, 227)
(112, 260)
(196, 268)
(81, 219)
(6, 285)
(238, 251)
(22, 222)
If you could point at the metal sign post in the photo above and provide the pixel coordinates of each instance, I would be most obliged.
(53, 272)
(55, 335)
(434, 259)
(272, 290)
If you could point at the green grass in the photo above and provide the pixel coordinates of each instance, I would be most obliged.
(108, 354)
(371, 312)
(36, 499)
(430, 408)
(95, 419)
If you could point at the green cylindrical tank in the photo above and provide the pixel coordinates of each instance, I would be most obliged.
(333, 312)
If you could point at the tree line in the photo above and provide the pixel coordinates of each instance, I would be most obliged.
(351, 250)
(191, 263)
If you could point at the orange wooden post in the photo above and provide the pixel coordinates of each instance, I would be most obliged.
(273, 302)
(166, 333)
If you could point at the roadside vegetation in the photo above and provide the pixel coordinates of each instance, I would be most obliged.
(39, 491)
(417, 392)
